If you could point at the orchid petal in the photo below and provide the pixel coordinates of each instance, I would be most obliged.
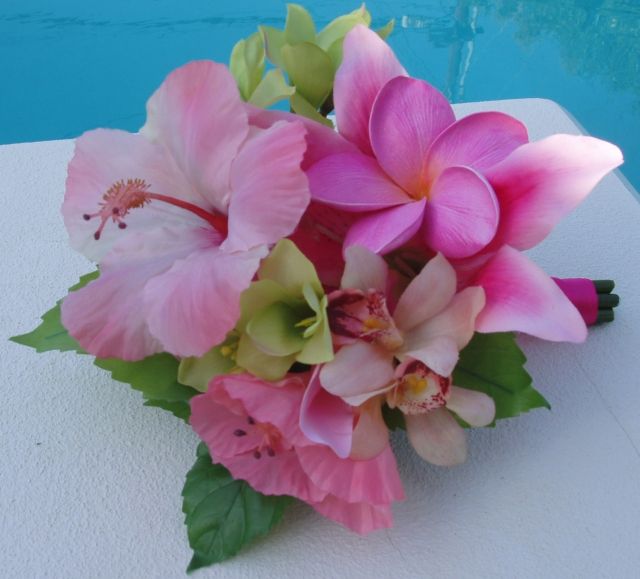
(325, 418)
(357, 372)
(368, 63)
(364, 270)
(521, 297)
(439, 353)
(198, 115)
(270, 191)
(427, 294)
(191, 307)
(475, 408)
(462, 215)
(386, 230)
(353, 182)
(407, 116)
(371, 435)
(541, 182)
(478, 141)
(437, 437)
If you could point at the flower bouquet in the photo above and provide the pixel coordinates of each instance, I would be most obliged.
(295, 291)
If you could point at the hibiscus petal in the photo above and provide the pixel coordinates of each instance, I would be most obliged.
(407, 116)
(107, 317)
(325, 418)
(456, 322)
(357, 372)
(364, 270)
(103, 157)
(386, 230)
(462, 215)
(427, 294)
(193, 305)
(521, 297)
(437, 437)
(353, 182)
(198, 115)
(368, 63)
(479, 141)
(269, 190)
(541, 182)
(372, 481)
(475, 408)
(322, 141)
(358, 517)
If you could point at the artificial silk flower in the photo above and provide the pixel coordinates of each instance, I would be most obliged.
(251, 427)
(178, 217)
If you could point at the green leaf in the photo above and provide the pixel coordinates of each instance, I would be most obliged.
(272, 88)
(494, 364)
(310, 70)
(222, 514)
(299, 26)
(156, 378)
(393, 418)
(386, 30)
(337, 29)
(302, 107)
(51, 334)
(247, 64)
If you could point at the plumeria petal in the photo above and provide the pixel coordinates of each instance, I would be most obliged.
(368, 63)
(373, 481)
(475, 408)
(353, 182)
(541, 182)
(462, 215)
(386, 230)
(364, 270)
(103, 157)
(322, 141)
(479, 141)
(191, 307)
(198, 115)
(437, 437)
(270, 191)
(427, 294)
(107, 317)
(358, 517)
(357, 372)
(407, 116)
(325, 418)
(521, 297)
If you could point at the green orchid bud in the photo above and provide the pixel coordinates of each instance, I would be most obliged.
(283, 316)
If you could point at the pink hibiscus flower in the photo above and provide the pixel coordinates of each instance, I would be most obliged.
(465, 188)
(251, 427)
(178, 217)
(407, 356)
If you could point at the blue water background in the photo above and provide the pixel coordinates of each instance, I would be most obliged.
(72, 65)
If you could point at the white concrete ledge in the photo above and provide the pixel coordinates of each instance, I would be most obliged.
(90, 479)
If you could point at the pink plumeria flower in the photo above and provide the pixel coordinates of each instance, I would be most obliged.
(466, 188)
(408, 355)
(251, 427)
(178, 217)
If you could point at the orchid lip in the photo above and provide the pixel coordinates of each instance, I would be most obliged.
(126, 195)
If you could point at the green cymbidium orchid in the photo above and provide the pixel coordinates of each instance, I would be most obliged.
(283, 320)
(309, 59)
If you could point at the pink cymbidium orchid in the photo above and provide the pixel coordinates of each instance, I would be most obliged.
(178, 217)
(465, 188)
(251, 427)
(407, 356)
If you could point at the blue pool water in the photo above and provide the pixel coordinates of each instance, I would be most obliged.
(71, 65)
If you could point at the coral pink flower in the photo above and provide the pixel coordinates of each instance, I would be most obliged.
(251, 427)
(178, 217)
(430, 324)
(466, 188)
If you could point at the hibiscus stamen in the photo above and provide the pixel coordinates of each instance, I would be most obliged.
(123, 196)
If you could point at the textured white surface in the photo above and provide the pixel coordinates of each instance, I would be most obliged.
(90, 479)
